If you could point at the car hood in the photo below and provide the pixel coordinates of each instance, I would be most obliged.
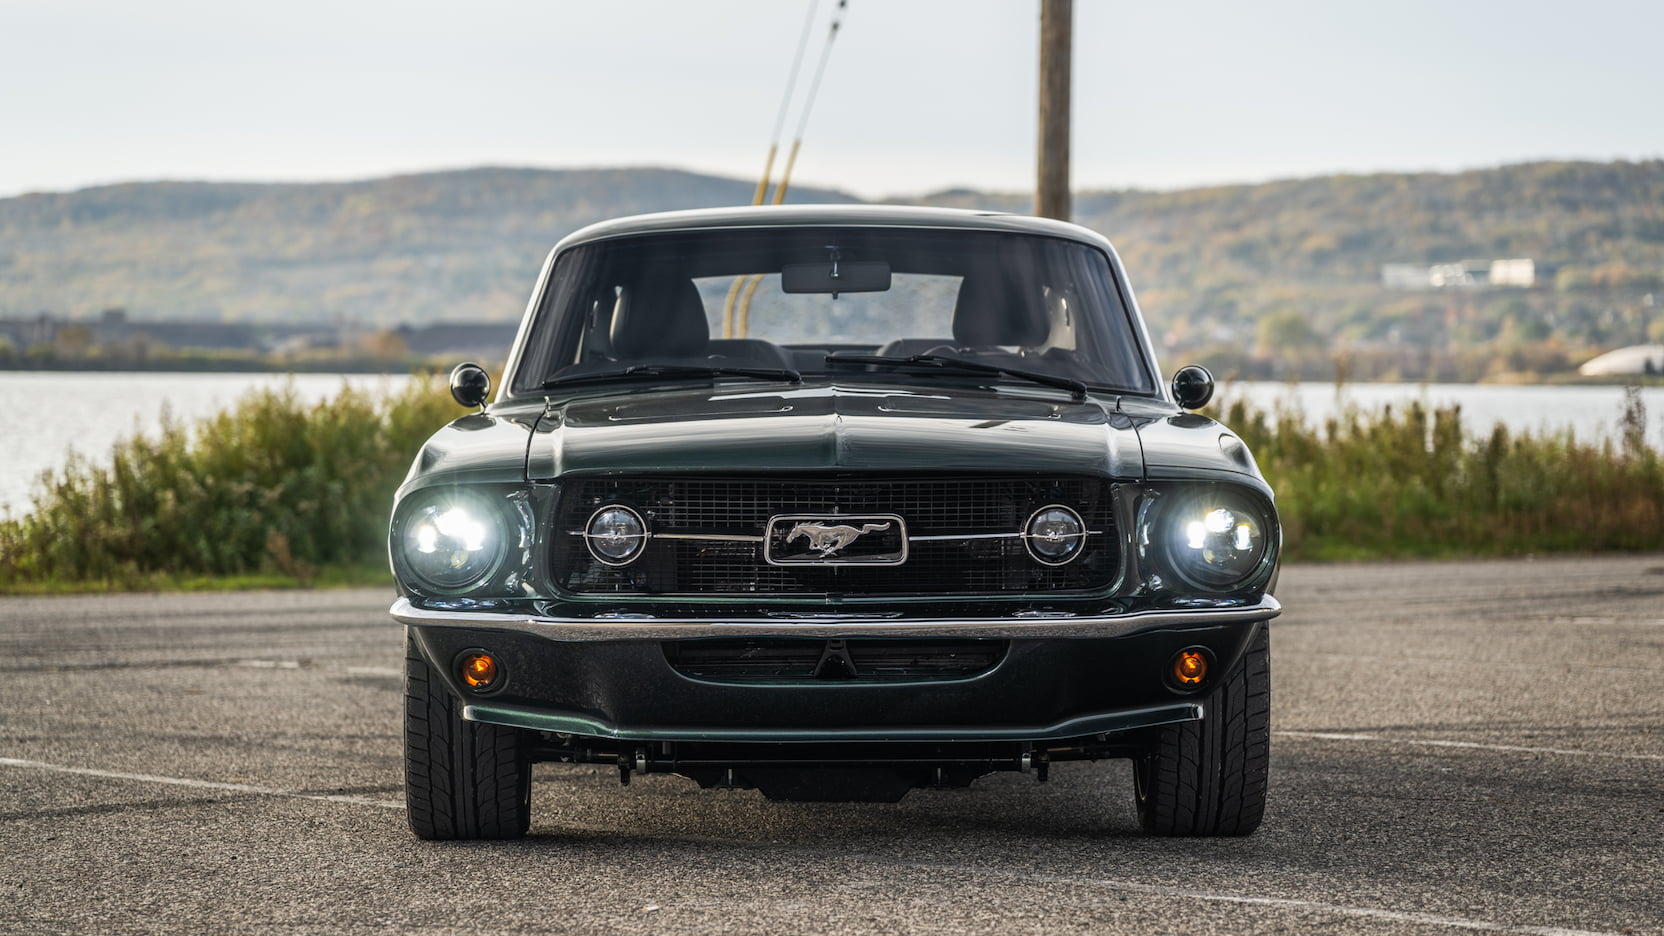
(831, 426)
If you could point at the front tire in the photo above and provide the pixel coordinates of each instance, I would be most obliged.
(462, 780)
(1209, 777)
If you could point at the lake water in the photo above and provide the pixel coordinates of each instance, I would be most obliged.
(48, 413)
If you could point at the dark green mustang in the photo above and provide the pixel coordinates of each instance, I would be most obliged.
(833, 503)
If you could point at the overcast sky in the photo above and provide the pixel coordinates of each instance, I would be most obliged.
(919, 95)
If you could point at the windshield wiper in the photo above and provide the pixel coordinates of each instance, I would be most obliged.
(679, 370)
(942, 361)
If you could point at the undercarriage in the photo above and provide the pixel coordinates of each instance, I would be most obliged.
(881, 773)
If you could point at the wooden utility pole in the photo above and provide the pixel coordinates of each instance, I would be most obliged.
(1051, 196)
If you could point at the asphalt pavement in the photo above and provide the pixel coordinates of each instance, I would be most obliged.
(1463, 746)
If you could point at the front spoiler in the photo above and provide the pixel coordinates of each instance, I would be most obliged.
(516, 716)
(834, 625)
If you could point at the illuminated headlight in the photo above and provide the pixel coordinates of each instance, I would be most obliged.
(1215, 540)
(616, 535)
(1055, 535)
(453, 542)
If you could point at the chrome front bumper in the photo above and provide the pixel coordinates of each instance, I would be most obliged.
(834, 625)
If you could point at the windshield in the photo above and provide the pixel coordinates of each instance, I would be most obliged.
(814, 301)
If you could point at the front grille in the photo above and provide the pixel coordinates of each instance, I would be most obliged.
(863, 660)
(741, 507)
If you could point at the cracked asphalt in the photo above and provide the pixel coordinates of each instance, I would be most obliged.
(1458, 747)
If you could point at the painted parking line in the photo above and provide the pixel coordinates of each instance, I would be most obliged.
(1153, 890)
(1474, 745)
(1428, 659)
(247, 788)
(1346, 910)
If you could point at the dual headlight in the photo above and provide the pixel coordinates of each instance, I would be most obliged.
(1213, 539)
(452, 542)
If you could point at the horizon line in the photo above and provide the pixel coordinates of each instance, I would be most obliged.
(945, 188)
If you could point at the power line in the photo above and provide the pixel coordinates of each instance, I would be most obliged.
(736, 326)
(809, 102)
(785, 105)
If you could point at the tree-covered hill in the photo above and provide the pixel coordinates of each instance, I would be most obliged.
(1272, 276)
(1292, 268)
(406, 249)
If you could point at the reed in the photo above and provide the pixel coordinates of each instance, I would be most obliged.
(1416, 482)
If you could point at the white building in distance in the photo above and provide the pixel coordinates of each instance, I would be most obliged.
(1468, 274)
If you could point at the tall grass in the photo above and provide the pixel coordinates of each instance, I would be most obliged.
(279, 491)
(272, 487)
(1415, 482)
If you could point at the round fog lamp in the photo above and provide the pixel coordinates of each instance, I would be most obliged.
(616, 535)
(1190, 667)
(1054, 535)
(479, 670)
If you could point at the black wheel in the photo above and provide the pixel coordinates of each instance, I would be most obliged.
(1208, 777)
(462, 780)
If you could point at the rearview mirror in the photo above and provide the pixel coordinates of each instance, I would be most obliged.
(837, 276)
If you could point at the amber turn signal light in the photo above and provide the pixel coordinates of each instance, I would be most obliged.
(479, 670)
(1190, 667)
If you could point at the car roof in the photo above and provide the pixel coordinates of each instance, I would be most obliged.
(836, 215)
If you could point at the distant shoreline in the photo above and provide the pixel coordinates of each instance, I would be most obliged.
(404, 367)
(233, 366)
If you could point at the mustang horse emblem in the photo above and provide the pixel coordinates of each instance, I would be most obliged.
(826, 540)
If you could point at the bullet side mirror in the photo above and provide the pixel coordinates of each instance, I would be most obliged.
(1192, 386)
(470, 384)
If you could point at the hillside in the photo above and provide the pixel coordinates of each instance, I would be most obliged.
(1290, 270)
(406, 249)
(1260, 278)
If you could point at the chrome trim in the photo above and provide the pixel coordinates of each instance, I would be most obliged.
(711, 537)
(742, 538)
(525, 716)
(974, 536)
(838, 625)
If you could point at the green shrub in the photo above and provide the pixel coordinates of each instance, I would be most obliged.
(276, 491)
(272, 486)
(1416, 483)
